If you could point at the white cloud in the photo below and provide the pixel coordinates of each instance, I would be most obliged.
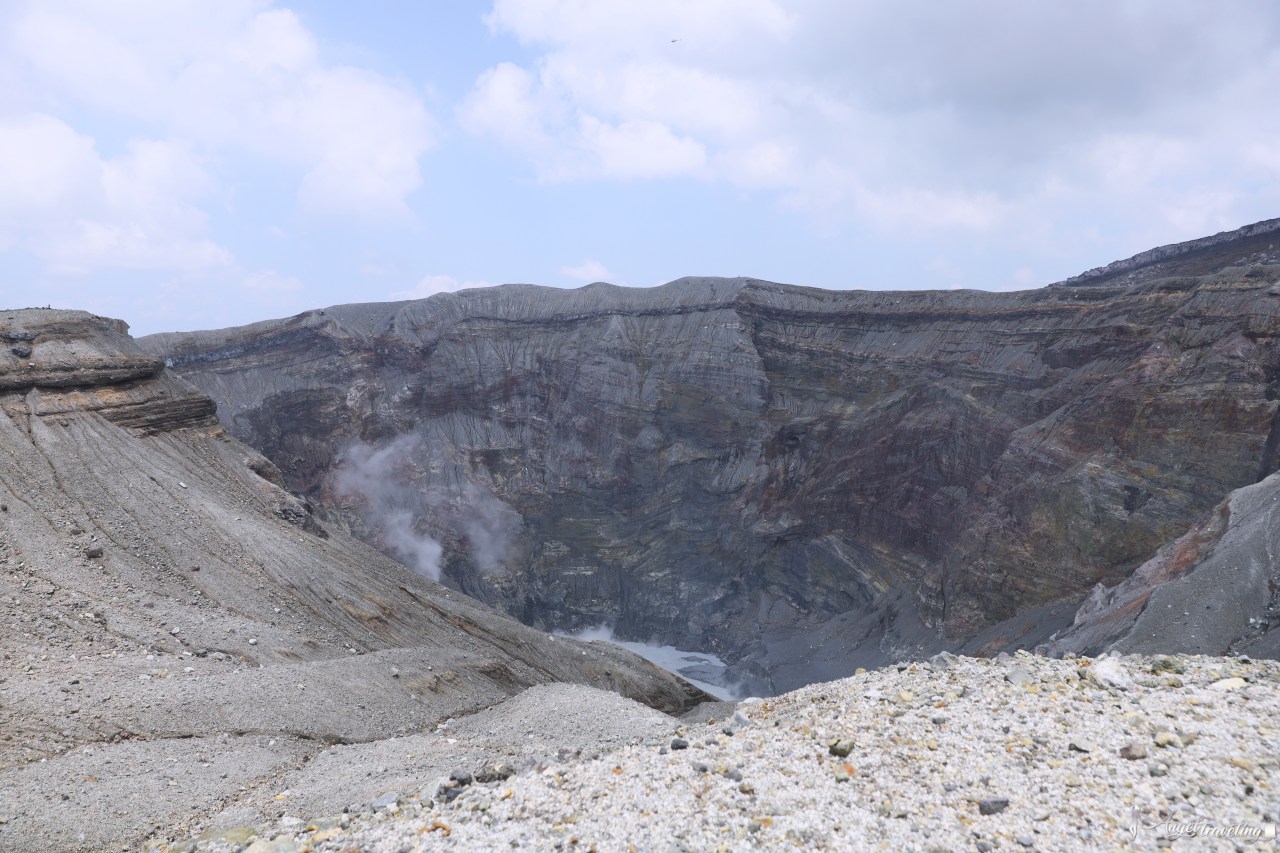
(274, 43)
(430, 285)
(77, 211)
(1135, 159)
(638, 149)
(637, 26)
(235, 76)
(929, 209)
(504, 105)
(44, 164)
(767, 164)
(201, 87)
(1265, 154)
(992, 116)
(589, 271)
(360, 140)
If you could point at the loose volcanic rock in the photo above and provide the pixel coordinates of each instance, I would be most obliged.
(1001, 775)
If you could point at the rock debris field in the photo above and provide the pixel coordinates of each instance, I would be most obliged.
(1013, 753)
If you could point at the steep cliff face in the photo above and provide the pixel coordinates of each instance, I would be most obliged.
(163, 602)
(802, 480)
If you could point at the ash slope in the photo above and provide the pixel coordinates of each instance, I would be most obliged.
(179, 634)
(799, 480)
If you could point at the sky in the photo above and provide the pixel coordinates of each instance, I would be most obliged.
(187, 164)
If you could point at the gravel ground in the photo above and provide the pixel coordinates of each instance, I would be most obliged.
(957, 753)
(544, 723)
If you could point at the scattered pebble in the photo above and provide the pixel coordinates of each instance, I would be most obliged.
(992, 806)
(1109, 673)
(1133, 751)
(841, 747)
(1017, 677)
(1057, 764)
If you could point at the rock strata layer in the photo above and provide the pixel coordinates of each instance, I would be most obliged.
(799, 480)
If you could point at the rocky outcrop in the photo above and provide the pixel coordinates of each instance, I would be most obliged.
(164, 604)
(1213, 591)
(800, 480)
(70, 362)
(1254, 244)
(68, 349)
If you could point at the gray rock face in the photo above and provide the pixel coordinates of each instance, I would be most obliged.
(802, 481)
(164, 604)
(1213, 591)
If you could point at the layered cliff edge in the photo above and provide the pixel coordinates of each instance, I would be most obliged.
(1252, 245)
(803, 481)
(182, 640)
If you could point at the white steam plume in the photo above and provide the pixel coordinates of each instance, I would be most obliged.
(398, 494)
(489, 524)
(418, 550)
(377, 476)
